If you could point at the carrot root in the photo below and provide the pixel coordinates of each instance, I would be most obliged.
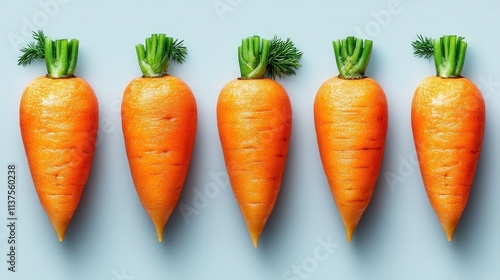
(351, 118)
(59, 123)
(448, 118)
(254, 122)
(159, 120)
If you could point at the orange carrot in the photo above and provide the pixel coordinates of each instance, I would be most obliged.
(254, 118)
(350, 114)
(448, 118)
(59, 120)
(159, 119)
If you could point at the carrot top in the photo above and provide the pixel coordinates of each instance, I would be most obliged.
(60, 55)
(448, 51)
(155, 56)
(352, 56)
(261, 58)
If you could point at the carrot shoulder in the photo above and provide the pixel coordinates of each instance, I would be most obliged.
(159, 119)
(351, 117)
(254, 117)
(448, 119)
(59, 121)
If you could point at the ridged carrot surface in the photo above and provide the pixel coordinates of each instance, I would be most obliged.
(254, 117)
(448, 118)
(351, 123)
(351, 116)
(448, 121)
(159, 119)
(59, 121)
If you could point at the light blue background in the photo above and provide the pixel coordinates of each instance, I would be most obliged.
(111, 237)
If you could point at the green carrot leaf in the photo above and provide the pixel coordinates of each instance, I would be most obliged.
(284, 58)
(60, 55)
(423, 47)
(179, 51)
(448, 51)
(155, 55)
(33, 50)
(262, 58)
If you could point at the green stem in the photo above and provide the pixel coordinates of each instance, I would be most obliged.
(352, 56)
(60, 57)
(73, 58)
(449, 55)
(155, 56)
(253, 57)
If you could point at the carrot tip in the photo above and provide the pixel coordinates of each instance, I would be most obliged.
(449, 234)
(449, 230)
(349, 231)
(255, 242)
(60, 231)
(159, 226)
(255, 239)
(348, 234)
(159, 233)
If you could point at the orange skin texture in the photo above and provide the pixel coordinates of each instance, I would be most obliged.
(59, 122)
(448, 119)
(254, 117)
(159, 120)
(351, 119)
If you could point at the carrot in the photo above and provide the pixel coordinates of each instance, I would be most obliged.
(159, 119)
(350, 116)
(448, 118)
(254, 118)
(59, 120)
